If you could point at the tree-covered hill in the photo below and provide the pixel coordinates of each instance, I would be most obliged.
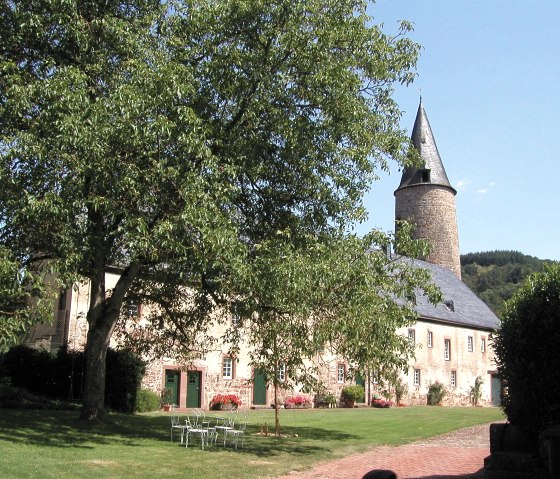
(495, 275)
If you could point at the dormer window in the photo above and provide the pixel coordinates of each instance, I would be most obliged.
(425, 176)
(449, 305)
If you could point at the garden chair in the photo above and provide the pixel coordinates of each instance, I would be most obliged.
(193, 429)
(176, 424)
(226, 422)
(235, 434)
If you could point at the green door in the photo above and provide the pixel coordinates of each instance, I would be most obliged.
(360, 380)
(259, 388)
(172, 383)
(193, 389)
(496, 390)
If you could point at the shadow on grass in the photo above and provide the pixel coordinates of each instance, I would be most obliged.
(64, 429)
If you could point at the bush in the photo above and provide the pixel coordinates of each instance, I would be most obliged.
(60, 376)
(527, 352)
(353, 393)
(124, 376)
(436, 393)
(147, 401)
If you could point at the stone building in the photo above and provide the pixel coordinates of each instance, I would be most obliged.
(452, 340)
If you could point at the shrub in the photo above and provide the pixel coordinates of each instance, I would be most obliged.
(220, 400)
(353, 393)
(400, 390)
(436, 393)
(476, 391)
(527, 352)
(60, 376)
(122, 381)
(147, 401)
(298, 400)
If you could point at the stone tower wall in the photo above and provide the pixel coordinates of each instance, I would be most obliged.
(432, 209)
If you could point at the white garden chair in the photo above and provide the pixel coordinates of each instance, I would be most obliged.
(236, 433)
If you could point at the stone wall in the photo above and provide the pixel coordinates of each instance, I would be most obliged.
(432, 209)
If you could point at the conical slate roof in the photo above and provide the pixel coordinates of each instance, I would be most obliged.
(423, 140)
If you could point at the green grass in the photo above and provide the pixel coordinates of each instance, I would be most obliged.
(55, 444)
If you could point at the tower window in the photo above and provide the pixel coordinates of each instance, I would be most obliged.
(425, 176)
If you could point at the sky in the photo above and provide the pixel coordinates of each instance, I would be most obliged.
(489, 76)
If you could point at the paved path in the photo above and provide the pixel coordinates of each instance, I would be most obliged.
(457, 455)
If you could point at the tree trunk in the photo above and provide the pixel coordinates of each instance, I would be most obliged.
(102, 318)
(98, 338)
(276, 410)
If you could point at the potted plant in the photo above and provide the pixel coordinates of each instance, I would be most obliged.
(297, 401)
(380, 403)
(225, 402)
(166, 397)
(351, 394)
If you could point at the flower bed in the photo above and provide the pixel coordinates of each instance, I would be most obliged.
(381, 403)
(298, 401)
(225, 402)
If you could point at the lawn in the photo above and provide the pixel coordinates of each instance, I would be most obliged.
(55, 444)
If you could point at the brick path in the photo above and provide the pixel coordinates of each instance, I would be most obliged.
(413, 461)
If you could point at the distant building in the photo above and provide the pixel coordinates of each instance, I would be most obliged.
(452, 340)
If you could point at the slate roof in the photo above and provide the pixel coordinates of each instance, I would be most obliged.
(468, 309)
(424, 141)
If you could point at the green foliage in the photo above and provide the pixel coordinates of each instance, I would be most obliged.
(176, 139)
(60, 376)
(23, 299)
(354, 392)
(436, 393)
(527, 352)
(125, 371)
(475, 391)
(400, 390)
(147, 401)
(495, 275)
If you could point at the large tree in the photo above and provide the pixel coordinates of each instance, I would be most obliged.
(19, 289)
(171, 139)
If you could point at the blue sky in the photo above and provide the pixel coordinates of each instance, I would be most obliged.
(489, 75)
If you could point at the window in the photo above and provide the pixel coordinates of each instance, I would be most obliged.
(450, 305)
(447, 349)
(227, 368)
(453, 378)
(235, 319)
(483, 345)
(470, 344)
(425, 176)
(412, 337)
(417, 377)
(281, 372)
(430, 339)
(132, 309)
(341, 373)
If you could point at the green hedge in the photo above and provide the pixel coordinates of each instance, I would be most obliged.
(60, 375)
(527, 352)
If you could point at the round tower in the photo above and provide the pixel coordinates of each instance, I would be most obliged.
(426, 198)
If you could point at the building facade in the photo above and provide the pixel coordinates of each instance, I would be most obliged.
(452, 340)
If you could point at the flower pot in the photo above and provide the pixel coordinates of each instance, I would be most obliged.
(167, 407)
(349, 403)
(227, 407)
